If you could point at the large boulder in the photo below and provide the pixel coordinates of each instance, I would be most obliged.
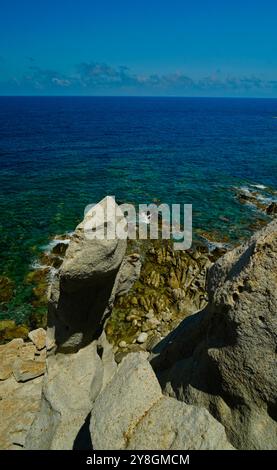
(224, 358)
(80, 360)
(71, 384)
(171, 424)
(83, 293)
(132, 413)
(117, 410)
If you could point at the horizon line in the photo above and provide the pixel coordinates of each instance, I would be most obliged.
(142, 96)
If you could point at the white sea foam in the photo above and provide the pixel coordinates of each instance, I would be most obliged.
(266, 199)
(36, 265)
(49, 247)
(258, 186)
(46, 249)
(213, 245)
(245, 189)
(262, 197)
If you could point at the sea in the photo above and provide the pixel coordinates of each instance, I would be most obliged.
(59, 154)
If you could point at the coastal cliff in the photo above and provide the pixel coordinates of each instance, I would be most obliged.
(208, 384)
(224, 357)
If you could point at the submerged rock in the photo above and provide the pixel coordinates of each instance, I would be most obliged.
(272, 209)
(6, 289)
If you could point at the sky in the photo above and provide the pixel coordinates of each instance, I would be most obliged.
(139, 47)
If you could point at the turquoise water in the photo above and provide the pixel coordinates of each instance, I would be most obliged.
(59, 154)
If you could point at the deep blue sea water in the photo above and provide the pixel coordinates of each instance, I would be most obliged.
(58, 154)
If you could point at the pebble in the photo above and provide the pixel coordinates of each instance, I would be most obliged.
(142, 338)
(154, 322)
(150, 314)
(122, 344)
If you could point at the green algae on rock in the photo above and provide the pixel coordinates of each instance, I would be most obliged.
(10, 330)
(171, 286)
(6, 289)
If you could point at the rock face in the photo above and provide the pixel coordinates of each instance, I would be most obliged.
(224, 358)
(132, 413)
(80, 360)
(129, 273)
(82, 295)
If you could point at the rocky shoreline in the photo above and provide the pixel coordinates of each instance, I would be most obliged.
(258, 199)
(204, 321)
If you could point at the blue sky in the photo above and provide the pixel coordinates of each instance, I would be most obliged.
(138, 47)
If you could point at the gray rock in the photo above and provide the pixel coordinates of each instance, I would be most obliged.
(120, 406)
(173, 425)
(224, 358)
(132, 413)
(70, 386)
(82, 297)
(142, 337)
(80, 360)
(129, 273)
(105, 351)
